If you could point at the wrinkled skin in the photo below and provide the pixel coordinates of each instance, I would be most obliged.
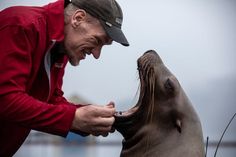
(163, 123)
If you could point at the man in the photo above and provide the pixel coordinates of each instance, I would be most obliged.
(35, 44)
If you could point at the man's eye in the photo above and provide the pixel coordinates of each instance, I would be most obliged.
(98, 41)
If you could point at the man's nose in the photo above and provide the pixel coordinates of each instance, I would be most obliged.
(97, 52)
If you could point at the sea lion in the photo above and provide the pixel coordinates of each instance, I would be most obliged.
(163, 123)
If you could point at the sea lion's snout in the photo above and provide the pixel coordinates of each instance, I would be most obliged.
(149, 57)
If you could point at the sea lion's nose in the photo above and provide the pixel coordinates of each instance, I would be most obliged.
(150, 51)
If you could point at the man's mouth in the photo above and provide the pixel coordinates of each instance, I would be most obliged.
(85, 52)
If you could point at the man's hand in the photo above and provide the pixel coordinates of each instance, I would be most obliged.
(94, 119)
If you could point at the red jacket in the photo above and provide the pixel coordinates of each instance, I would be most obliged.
(30, 87)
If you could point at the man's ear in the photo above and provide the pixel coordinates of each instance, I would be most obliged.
(78, 16)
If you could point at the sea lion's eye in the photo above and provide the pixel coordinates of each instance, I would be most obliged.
(169, 85)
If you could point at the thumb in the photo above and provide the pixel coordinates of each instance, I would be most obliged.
(111, 105)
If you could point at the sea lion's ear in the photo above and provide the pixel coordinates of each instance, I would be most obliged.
(169, 85)
(178, 125)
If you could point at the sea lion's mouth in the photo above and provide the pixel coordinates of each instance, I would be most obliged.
(123, 114)
(145, 63)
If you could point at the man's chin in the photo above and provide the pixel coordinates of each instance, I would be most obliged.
(74, 62)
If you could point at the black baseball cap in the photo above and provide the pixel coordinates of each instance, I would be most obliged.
(110, 15)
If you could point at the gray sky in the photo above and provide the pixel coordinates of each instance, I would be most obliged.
(195, 38)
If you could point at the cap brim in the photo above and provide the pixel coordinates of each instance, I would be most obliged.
(115, 34)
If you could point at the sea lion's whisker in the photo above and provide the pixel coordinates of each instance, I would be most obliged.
(150, 81)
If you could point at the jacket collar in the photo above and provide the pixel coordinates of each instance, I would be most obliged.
(55, 17)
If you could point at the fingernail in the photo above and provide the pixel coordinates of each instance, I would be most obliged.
(111, 104)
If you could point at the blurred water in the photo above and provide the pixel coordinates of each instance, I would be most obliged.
(44, 145)
(93, 151)
(43, 150)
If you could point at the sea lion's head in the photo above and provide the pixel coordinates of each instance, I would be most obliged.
(161, 102)
(163, 117)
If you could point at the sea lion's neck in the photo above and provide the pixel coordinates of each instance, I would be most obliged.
(140, 141)
(151, 141)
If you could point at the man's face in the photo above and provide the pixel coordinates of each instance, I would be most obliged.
(84, 38)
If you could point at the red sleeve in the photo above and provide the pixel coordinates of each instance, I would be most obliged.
(16, 106)
(58, 99)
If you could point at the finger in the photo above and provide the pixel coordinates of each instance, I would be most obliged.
(105, 111)
(112, 130)
(102, 134)
(105, 121)
(108, 121)
(111, 104)
(99, 130)
(105, 135)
